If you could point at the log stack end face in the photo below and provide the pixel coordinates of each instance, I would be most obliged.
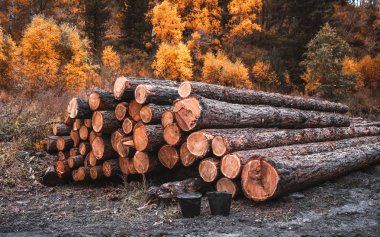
(141, 94)
(187, 158)
(208, 170)
(119, 87)
(146, 114)
(141, 162)
(230, 166)
(97, 121)
(140, 138)
(226, 185)
(98, 147)
(184, 89)
(218, 145)
(198, 144)
(187, 112)
(172, 134)
(168, 156)
(94, 101)
(72, 108)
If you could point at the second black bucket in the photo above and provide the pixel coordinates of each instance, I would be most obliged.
(190, 204)
(220, 203)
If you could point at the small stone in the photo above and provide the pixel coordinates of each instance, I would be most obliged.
(297, 195)
(306, 220)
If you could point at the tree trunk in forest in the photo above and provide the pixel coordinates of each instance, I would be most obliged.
(121, 111)
(102, 149)
(101, 100)
(155, 94)
(268, 177)
(152, 114)
(168, 156)
(79, 108)
(198, 112)
(209, 169)
(148, 137)
(111, 168)
(64, 143)
(105, 122)
(250, 97)
(128, 125)
(61, 130)
(167, 118)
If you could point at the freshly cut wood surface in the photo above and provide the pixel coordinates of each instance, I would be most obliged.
(63, 155)
(197, 112)
(173, 135)
(187, 158)
(128, 125)
(75, 162)
(61, 129)
(84, 148)
(84, 133)
(121, 111)
(92, 160)
(168, 156)
(152, 114)
(88, 123)
(74, 135)
(102, 149)
(74, 151)
(79, 108)
(93, 135)
(96, 172)
(148, 137)
(111, 168)
(167, 118)
(123, 164)
(77, 124)
(156, 94)
(105, 122)
(62, 168)
(209, 169)
(101, 100)
(144, 162)
(116, 137)
(64, 143)
(134, 110)
(82, 174)
(227, 185)
(269, 177)
(244, 96)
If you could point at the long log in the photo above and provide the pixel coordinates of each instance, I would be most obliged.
(173, 135)
(198, 112)
(244, 96)
(227, 185)
(84, 132)
(96, 172)
(50, 144)
(187, 158)
(152, 114)
(74, 135)
(168, 156)
(232, 164)
(209, 169)
(128, 125)
(84, 148)
(159, 95)
(102, 149)
(64, 143)
(173, 189)
(101, 100)
(124, 87)
(111, 168)
(75, 162)
(167, 118)
(144, 162)
(79, 108)
(268, 177)
(148, 137)
(61, 129)
(121, 111)
(105, 122)
(134, 110)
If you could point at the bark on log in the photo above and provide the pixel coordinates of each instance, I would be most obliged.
(124, 87)
(128, 125)
(87, 123)
(148, 137)
(77, 124)
(75, 162)
(159, 95)
(74, 135)
(51, 177)
(144, 162)
(61, 130)
(96, 172)
(115, 138)
(93, 135)
(152, 114)
(105, 122)
(227, 185)
(167, 118)
(84, 132)
(232, 164)
(268, 177)
(187, 158)
(197, 112)
(173, 189)
(168, 156)
(68, 121)
(134, 110)
(63, 155)
(50, 144)
(121, 111)
(102, 149)
(111, 168)
(209, 169)
(79, 108)
(173, 136)
(244, 96)
(101, 100)
(74, 151)
(84, 148)
(64, 143)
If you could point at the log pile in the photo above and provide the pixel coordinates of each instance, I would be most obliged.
(259, 144)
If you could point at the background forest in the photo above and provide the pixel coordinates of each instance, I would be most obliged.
(323, 48)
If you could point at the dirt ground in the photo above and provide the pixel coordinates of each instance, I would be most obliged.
(347, 206)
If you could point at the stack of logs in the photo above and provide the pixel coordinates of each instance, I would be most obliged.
(261, 144)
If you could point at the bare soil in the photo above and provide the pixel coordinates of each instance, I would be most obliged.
(347, 206)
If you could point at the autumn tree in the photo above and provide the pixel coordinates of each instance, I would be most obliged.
(265, 76)
(8, 57)
(111, 64)
(323, 63)
(173, 62)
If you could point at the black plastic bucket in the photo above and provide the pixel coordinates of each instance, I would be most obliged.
(190, 204)
(220, 203)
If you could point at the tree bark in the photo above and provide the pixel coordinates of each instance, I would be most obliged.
(96, 172)
(102, 149)
(128, 125)
(101, 100)
(244, 96)
(75, 162)
(148, 137)
(269, 177)
(79, 108)
(152, 114)
(51, 177)
(227, 185)
(84, 132)
(121, 111)
(173, 189)
(64, 143)
(168, 156)
(167, 118)
(84, 148)
(50, 144)
(134, 110)
(209, 169)
(144, 162)
(111, 168)
(105, 122)
(156, 94)
(197, 112)
(74, 135)
(61, 130)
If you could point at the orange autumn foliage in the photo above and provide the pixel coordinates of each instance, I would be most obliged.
(8, 57)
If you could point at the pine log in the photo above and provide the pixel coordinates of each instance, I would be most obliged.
(93, 135)
(92, 160)
(128, 125)
(87, 123)
(167, 118)
(123, 164)
(84, 148)
(77, 124)
(84, 133)
(152, 114)
(232, 164)
(115, 138)
(121, 111)
(50, 144)
(64, 143)
(111, 168)
(61, 130)
(244, 96)
(209, 169)
(198, 112)
(148, 137)
(62, 168)
(51, 177)
(268, 177)
(63, 155)
(102, 149)
(74, 135)
(125, 150)
(101, 100)
(82, 174)
(173, 189)
(124, 88)
(75, 162)
(144, 162)
(87, 160)
(105, 122)
(96, 172)
(227, 185)
(74, 151)
(79, 108)
(159, 95)
(168, 156)
(68, 121)
(131, 166)
(134, 110)
(187, 158)
(172, 135)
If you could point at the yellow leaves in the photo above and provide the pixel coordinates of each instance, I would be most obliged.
(167, 25)
(173, 62)
(264, 74)
(110, 58)
(8, 57)
(218, 69)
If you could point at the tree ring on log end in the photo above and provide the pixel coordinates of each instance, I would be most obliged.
(98, 148)
(168, 156)
(187, 112)
(127, 126)
(123, 164)
(167, 118)
(141, 162)
(119, 87)
(226, 185)
(97, 121)
(172, 134)
(140, 138)
(81, 173)
(230, 166)
(146, 114)
(107, 169)
(259, 180)
(208, 170)
(72, 108)
(134, 110)
(184, 89)
(187, 158)
(218, 145)
(92, 160)
(141, 94)
(198, 144)
(60, 167)
(93, 173)
(94, 101)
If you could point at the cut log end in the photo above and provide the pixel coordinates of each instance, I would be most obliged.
(172, 134)
(72, 108)
(98, 147)
(198, 144)
(167, 118)
(121, 111)
(124, 165)
(134, 110)
(259, 180)
(92, 161)
(141, 162)
(227, 185)
(187, 158)
(94, 101)
(168, 156)
(218, 145)
(128, 126)
(119, 87)
(141, 94)
(140, 138)
(146, 114)
(230, 166)
(107, 168)
(83, 133)
(96, 172)
(82, 173)
(97, 121)
(184, 89)
(187, 112)
(208, 170)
